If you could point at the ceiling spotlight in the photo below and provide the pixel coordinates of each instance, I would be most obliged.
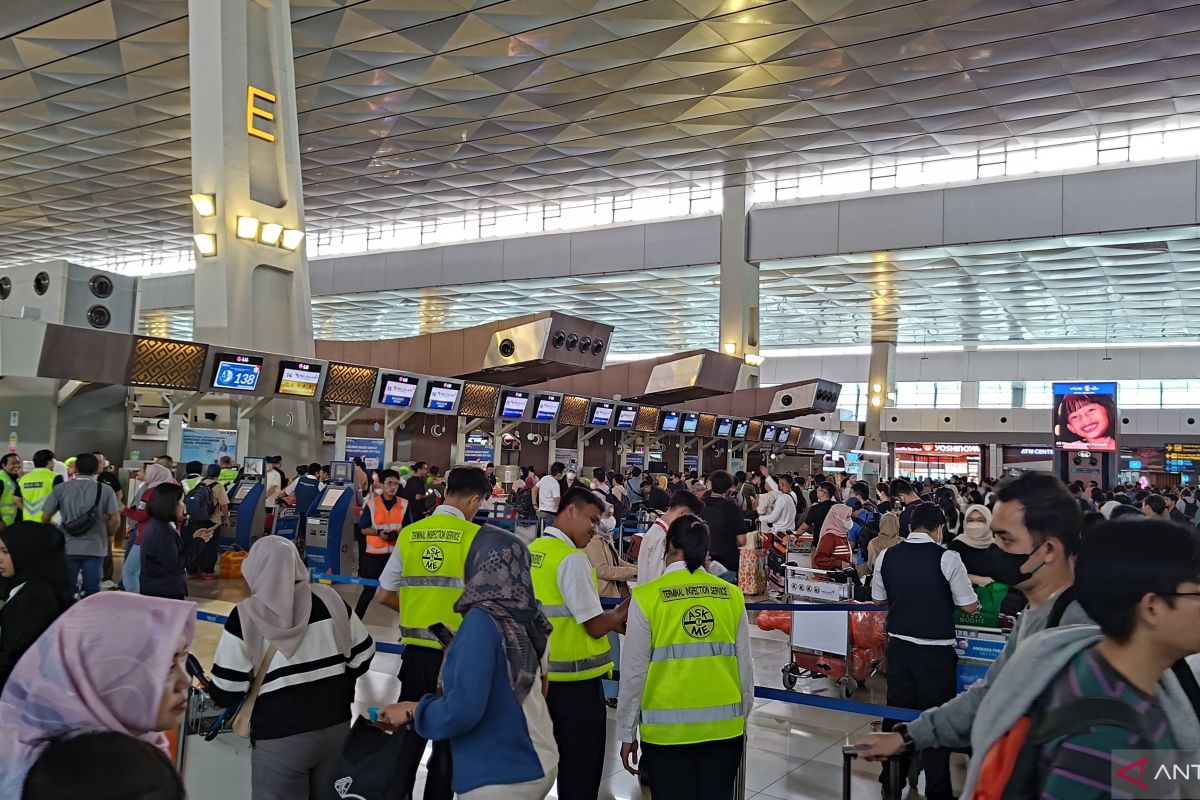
(247, 227)
(597, 346)
(730, 348)
(754, 359)
(292, 239)
(270, 233)
(205, 204)
(585, 344)
(559, 339)
(206, 243)
(572, 341)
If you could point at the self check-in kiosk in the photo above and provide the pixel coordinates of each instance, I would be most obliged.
(246, 511)
(329, 528)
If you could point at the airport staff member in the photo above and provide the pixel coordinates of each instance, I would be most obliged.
(10, 492)
(922, 583)
(687, 674)
(564, 582)
(422, 580)
(382, 518)
(228, 472)
(37, 484)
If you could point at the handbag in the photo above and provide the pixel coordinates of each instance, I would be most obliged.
(240, 724)
(368, 766)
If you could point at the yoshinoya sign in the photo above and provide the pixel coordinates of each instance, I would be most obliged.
(938, 448)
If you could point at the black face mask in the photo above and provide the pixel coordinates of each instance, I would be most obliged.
(1006, 567)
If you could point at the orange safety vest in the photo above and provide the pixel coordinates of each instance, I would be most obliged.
(384, 521)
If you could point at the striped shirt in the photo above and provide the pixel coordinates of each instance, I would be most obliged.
(312, 690)
(1080, 767)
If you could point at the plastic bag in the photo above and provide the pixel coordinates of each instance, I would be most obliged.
(990, 597)
(368, 765)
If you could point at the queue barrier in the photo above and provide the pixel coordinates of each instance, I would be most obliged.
(763, 692)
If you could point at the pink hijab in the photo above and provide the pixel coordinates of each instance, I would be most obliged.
(101, 666)
(837, 521)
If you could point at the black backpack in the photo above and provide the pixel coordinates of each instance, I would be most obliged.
(200, 502)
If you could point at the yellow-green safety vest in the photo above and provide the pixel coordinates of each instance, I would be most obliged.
(434, 555)
(693, 691)
(189, 483)
(36, 485)
(574, 654)
(8, 498)
(227, 476)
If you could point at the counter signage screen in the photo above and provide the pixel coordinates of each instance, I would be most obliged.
(298, 379)
(601, 414)
(547, 407)
(513, 404)
(770, 432)
(670, 421)
(236, 372)
(1085, 416)
(397, 390)
(626, 416)
(690, 423)
(442, 395)
(782, 436)
(724, 427)
(741, 429)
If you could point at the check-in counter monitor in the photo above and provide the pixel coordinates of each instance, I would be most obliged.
(246, 511)
(626, 417)
(514, 405)
(546, 407)
(329, 528)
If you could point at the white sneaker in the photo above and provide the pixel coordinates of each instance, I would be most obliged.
(107, 585)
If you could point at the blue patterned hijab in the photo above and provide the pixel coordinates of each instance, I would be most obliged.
(498, 582)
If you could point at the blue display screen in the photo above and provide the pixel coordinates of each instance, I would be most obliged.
(547, 407)
(670, 421)
(690, 422)
(724, 427)
(1100, 387)
(236, 372)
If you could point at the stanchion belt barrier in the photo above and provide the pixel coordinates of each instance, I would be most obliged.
(764, 692)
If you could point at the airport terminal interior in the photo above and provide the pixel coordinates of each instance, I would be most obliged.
(633, 264)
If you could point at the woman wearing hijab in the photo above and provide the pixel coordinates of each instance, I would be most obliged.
(313, 650)
(492, 704)
(33, 563)
(131, 571)
(889, 536)
(84, 675)
(834, 552)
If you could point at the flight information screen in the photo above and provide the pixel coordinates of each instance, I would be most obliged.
(547, 407)
(769, 433)
(741, 429)
(298, 379)
(601, 414)
(724, 427)
(442, 395)
(626, 416)
(670, 421)
(782, 436)
(513, 404)
(236, 372)
(397, 390)
(690, 421)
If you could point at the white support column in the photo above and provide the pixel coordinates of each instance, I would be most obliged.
(245, 415)
(552, 444)
(341, 429)
(176, 415)
(498, 431)
(881, 384)
(739, 334)
(392, 421)
(465, 426)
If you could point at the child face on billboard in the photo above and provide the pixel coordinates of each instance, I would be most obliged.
(1089, 421)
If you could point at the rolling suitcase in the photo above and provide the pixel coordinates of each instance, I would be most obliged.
(850, 752)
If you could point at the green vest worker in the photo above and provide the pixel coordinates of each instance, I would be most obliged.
(37, 484)
(565, 584)
(194, 474)
(228, 473)
(687, 676)
(423, 579)
(10, 493)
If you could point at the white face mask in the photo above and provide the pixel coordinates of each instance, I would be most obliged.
(977, 530)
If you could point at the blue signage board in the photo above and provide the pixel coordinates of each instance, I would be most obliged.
(208, 446)
(369, 450)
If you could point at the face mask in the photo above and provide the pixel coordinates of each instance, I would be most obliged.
(977, 530)
(1006, 567)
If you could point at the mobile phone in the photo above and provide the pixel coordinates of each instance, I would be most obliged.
(443, 634)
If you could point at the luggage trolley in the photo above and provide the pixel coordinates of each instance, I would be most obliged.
(823, 642)
(213, 762)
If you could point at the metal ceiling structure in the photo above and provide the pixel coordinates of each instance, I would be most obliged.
(411, 109)
(1133, 286)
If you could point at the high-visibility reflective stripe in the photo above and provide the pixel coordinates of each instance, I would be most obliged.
(684, 716)
(556, 611)
(417, 633)
(582, 665)
(429, 580)
(695, 650)
(378, 551)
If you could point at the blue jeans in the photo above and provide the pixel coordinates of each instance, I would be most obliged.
(91, 567)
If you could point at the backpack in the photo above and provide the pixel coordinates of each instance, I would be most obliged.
(200, 502)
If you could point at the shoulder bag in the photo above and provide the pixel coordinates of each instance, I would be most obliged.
(240, 724)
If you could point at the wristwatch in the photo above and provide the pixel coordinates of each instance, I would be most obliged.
(905, 736)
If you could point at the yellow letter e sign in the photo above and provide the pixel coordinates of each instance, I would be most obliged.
(252, 111)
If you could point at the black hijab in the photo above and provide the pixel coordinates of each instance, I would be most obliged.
(38, 553)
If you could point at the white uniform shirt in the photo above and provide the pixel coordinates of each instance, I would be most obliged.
(635, 661)
(652, 553)
(961, 590)
(393, 571)
(575, 582)
(549, 493)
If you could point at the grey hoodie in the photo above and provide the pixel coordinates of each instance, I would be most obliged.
(949, 725)
(1030, 672)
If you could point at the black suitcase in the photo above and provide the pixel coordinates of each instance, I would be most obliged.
(850, 752)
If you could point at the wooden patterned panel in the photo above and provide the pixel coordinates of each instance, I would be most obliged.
(350, 385)
(167, 364)
(754, 432)
(647, 420)
(707, 426)
(479, 400)
(574, 410)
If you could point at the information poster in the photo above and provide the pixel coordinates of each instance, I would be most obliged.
(1085, 416)
(208, 445)
(369, 450)
(568, 456)
(691, 463)
(479, 449)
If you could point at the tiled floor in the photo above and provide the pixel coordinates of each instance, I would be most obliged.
(794, 751)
